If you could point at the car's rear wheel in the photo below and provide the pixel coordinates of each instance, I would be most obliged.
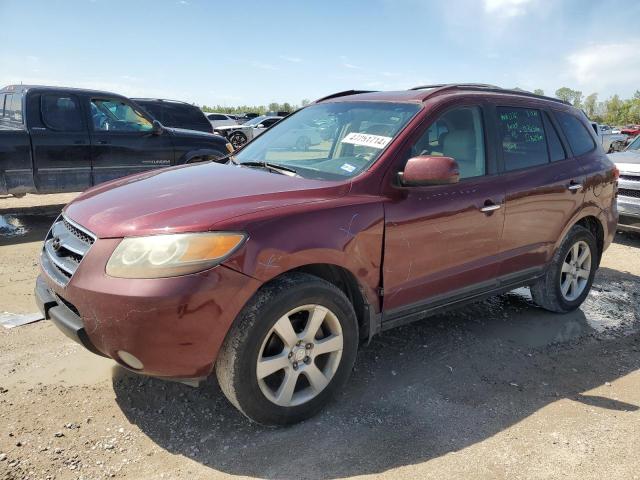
(568, 279)
(291, 348)
(237, 139)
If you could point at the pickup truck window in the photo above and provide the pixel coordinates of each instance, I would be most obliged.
(117, 116)
(578, 136)
(61, 112)
(13, 108)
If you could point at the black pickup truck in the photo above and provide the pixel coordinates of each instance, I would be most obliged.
(55, 139)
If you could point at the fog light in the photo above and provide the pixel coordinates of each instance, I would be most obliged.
(130, 360)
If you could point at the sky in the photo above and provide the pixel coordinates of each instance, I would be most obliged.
(255, 52)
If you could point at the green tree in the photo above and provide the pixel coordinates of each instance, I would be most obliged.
(538, 91)
(574, 97)
(590, 104)
(306, 101)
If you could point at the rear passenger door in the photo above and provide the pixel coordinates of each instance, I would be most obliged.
(60, 140)
(122, 141)
(543, 187)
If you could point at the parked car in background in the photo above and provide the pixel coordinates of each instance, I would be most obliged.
(175, 114)
(631, 130)
(220, 119)
(628, 162)
(610, 142)
(245, 117)
(271, 269)
(238, 135)
(55, 139)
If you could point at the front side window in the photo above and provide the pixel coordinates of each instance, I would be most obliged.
(521, 137)
(330, 141)
(579, 138)
(117, 116)
(457, 134)
(61, 112)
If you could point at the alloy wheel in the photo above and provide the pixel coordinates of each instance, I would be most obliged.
(575, 272)
(299, 355)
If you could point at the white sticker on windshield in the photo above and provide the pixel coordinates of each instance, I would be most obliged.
(348, 167)
(366, 140)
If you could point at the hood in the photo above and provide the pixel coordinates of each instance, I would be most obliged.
(628, 161)
(190, 198)
(183, 132)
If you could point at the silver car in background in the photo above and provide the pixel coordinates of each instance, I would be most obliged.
(628, 162)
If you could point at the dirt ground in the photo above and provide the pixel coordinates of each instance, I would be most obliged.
(500, 389)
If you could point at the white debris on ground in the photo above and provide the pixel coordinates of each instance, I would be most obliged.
(11, 320)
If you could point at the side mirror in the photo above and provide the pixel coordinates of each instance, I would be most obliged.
(429, 170)
(157, 128)
(260, 125)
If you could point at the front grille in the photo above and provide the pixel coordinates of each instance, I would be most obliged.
(64, 248)
(626, 192)
(631, 178)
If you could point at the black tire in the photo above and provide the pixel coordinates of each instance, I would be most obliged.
(546, 292)
(237, 139)
(236, 363)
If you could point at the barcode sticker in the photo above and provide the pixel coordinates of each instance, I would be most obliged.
(366, 140)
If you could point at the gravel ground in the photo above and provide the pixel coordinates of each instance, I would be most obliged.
(500, 389)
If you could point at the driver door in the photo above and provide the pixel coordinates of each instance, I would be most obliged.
(442, 242)
(122, 141)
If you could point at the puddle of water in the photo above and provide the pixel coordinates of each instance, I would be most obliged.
(11, 226)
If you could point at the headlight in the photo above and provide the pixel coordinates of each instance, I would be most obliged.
(171, 255)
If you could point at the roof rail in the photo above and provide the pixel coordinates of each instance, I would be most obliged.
(343, 94)
(486, 88)
(443, 85)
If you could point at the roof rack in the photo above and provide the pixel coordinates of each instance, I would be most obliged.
(343, 94)
(487, 88)
(442, 85)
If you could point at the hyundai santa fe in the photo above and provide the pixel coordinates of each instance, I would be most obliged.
(271, 266)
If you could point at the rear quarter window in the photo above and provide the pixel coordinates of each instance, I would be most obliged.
(579, 138)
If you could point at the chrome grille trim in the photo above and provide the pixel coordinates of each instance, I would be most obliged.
(65, 246)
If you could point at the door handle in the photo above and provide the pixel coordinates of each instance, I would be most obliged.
(489, 207)
(574, 187)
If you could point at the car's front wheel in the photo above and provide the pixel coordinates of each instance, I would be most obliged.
(237, 139)
(291, 348)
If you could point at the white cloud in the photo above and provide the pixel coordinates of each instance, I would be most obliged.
(606, 66)
(344, 61)
(291, 59)
(263, 66)
(507, 8)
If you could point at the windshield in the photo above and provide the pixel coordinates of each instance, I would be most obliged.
(635, 145)
(330, 141)
(255, 121)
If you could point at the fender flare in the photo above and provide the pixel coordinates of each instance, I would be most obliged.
(202, 152)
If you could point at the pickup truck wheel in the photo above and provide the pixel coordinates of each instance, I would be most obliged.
(290, 349)
(570, 275)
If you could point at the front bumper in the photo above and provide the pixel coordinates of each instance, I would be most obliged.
(174, 326)
(629, 211)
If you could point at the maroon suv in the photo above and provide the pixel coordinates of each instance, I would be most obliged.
(273, 267)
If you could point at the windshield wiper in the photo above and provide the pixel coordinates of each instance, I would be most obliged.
(272, 166)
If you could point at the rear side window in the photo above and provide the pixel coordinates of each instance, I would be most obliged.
(579, 138)
(180, 115)
(556, 151)
(522, 138)
(61, 112)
